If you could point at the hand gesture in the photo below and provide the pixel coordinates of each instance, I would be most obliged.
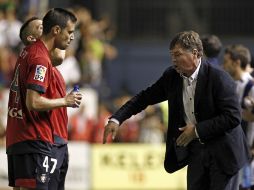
(187, 135)
(110, 128)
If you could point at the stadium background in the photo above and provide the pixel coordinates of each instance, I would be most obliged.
(142, 30)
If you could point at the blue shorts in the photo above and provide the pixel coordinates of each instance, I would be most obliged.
(29, 170)
(59, 170)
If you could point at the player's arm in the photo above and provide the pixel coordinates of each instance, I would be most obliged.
(57, 56)
(36, 102)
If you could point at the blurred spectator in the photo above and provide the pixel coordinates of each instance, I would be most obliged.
(84, 18)
(152, 129)
(2, 134)
(251, 68)
(70, 63)
(12, 29)
(2, 116)
(102, 119)
(92, 53)
(236, 59)
(7, 64)
(164, 109)
(212, 47)
(80, 126)
(94, 46)
(129, 131)
(31, 8)
(108, 34)
(3, 24)
(10, 26)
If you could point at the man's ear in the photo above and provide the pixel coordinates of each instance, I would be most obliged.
(195, 52)
(30, 38)
(237, 62)
(56, 30)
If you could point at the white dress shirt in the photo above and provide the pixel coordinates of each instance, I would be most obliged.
(189, 87)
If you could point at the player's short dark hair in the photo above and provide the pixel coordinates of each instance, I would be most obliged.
(24, 29)
(57, 16)
(212, 45)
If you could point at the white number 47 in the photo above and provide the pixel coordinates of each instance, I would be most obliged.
(46, 164)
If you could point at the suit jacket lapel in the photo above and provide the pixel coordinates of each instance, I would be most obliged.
(201, 84)
(179, 98)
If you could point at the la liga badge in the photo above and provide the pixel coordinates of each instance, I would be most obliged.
(40, 73)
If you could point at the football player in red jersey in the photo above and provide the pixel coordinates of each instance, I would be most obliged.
(30, 32)
(37, 99)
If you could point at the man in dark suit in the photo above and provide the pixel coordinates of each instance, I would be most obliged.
(204, 129)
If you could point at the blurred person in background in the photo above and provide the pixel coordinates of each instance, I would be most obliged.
(93, 55)
(34, 102)
(70, 63)
(236, 60)
(94, 47)
(212, 47)
(151, 126)
(102, 118)
(81, 126)
(130, 130)
(12, 29)
(2, 130)
(204, 129)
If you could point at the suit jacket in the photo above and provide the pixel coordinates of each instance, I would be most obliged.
(217, 112)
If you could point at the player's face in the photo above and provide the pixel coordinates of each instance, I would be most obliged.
(35, 31)
(37, 28)
(184, 61)
(65, 37)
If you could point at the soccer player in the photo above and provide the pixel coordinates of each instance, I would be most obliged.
(30, 32)
(36, 100)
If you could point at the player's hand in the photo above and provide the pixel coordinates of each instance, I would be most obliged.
(73, 99)
(110, 128)
(187, 135)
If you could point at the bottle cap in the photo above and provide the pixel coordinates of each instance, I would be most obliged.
(76, 88)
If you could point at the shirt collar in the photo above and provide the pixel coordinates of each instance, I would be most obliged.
(245, 77)
(194, 75)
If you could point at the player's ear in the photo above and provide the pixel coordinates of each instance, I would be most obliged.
(30, 38)
(56, 29)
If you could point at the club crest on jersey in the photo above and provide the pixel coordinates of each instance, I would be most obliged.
(40, 73)
(43, 178)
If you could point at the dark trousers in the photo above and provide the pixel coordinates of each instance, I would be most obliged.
(204, 173)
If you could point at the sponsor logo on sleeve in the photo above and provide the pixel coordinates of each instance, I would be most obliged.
(40, 73)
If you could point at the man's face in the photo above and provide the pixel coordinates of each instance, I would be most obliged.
(35, 31)
(229, 65)
(184, 61)
(64, 38)
(36, 27)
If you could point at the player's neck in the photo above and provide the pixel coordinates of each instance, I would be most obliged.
(48, 42)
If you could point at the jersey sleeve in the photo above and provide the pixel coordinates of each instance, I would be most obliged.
(38, 76)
